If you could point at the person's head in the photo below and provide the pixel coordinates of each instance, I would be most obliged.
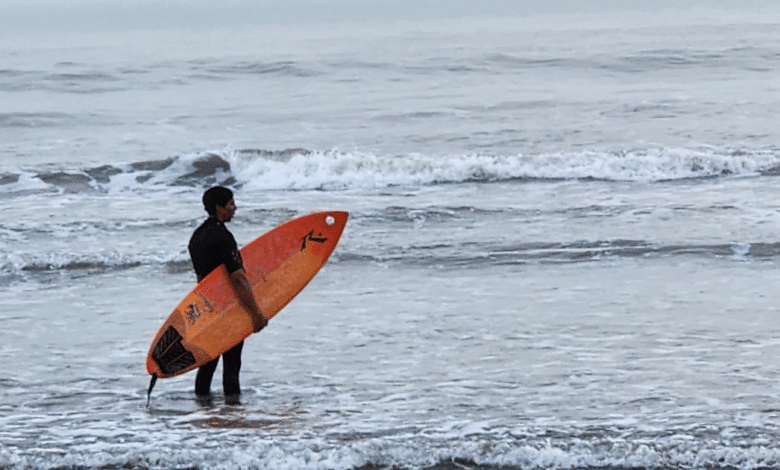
(218, 202)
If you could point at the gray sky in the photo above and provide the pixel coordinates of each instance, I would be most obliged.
(24, 16)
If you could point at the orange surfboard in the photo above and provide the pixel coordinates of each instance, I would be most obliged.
(211, 320)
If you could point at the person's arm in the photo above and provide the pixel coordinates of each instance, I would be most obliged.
(244, 293)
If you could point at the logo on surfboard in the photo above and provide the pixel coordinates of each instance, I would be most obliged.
(193, 311)
(310, 237)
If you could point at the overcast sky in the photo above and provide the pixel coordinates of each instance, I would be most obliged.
(20, 16)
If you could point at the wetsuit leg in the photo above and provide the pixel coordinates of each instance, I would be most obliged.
(231, 367)
(203, 379)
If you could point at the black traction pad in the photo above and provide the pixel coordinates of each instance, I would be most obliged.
(170, 355)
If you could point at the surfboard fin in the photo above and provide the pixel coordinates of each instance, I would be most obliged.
(151, 386)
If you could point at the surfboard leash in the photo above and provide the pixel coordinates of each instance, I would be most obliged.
(151, 386)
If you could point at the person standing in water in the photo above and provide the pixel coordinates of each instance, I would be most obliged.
(210, 246)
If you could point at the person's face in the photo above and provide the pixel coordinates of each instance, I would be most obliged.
(226, 213)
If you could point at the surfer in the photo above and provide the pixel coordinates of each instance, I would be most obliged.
(212, 245)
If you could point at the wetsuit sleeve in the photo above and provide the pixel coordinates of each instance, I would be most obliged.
(230, 254)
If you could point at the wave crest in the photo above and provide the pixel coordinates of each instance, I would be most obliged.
(300, 169)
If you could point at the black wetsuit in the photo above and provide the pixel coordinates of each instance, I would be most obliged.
(211, 246)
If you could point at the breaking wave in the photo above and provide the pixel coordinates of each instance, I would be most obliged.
(299, 169)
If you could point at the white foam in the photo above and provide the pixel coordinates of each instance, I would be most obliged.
(144, 442)
(351, 170)
(27, 182)
(335, 170)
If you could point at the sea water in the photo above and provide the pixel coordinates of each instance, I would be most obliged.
(561, 253)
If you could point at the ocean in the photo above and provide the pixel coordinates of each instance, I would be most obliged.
(561, 253)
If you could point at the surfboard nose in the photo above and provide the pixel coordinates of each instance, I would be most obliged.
(336, 218)
(330, 232)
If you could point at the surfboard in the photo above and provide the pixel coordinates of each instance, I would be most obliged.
(211, 320)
